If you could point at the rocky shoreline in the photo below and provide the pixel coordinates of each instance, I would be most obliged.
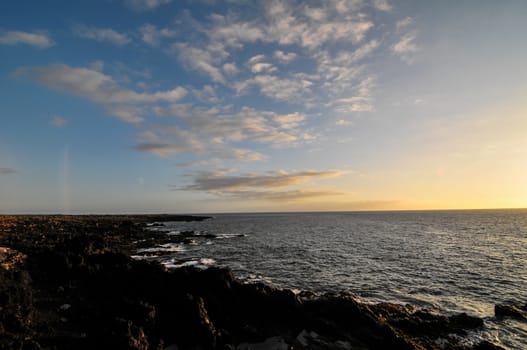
(68, 282)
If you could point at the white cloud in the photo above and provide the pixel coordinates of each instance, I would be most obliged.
(153, 36)
(403, 23)
(58, 122)
(164, 141)
(263, 67)
(246, 125)
(201, 60)
(206, 94)
(285, 57)
(257, 65)
(289, 121)
(286, 27)
(347, 6)
(283, 89)
(129, 114)
(102, 35)
(344, 67)
(344, 122)
(220, 131)
(256, 59)
(406, 48)
(145, 5)
(233, 32)
(344, 78)
(99, 88)
(285, 23)
(362, 102)
(33, 39)
(317, 14)
(382, 5)
(230, 68)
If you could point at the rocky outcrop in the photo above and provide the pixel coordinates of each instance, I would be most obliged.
(510, 310)
(76, 288)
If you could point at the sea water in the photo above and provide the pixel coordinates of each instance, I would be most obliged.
(452, 261)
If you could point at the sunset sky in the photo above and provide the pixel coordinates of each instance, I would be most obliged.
(115, 106)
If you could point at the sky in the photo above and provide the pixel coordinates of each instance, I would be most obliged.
(180, 106)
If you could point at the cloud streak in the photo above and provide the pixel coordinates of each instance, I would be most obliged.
(166, 141)
(99, 88)
(287, 23)
(406, 48)
(282, 196)
(275, 186)
(218, 182)
(38, 40)
(102, 35)
(153, 36)
(7, 171)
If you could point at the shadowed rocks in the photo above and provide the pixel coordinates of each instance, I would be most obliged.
(513, 311)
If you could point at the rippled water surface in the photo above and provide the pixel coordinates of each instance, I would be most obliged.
(450, 260)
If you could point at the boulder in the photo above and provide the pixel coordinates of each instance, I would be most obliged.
(513, 311)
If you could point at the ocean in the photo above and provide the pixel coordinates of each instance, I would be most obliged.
(450, 261)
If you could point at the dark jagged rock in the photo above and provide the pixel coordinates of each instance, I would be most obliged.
(517, 312)
(70, 284)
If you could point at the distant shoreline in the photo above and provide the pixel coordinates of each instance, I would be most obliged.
(177, 217)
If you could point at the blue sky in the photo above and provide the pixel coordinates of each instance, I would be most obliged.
(210, 106)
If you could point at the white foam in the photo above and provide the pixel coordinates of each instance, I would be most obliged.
(230, 235)
(199, 263)
(167, 248)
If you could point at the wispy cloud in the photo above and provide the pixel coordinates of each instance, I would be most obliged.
(99, 88)
(403, 23)
(284, 57)
(202, 60)
(382, 5)
(145, 5)
(282, 196)
(273, 186)
(287, 23)
(406, 48)
(6, 171)
(257, 64)
(284, 89)
(153, 36)
(164, 141)
(58, 121)
(230, 68)
(218, 132)
(39, 40)
(218, 182)
(344, 122)
(102, 35)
